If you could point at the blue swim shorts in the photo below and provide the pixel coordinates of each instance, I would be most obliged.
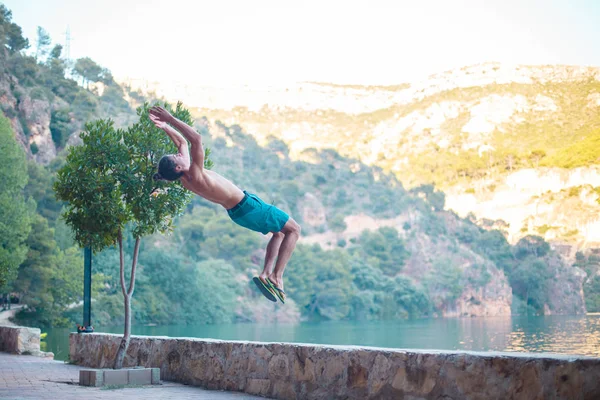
(253, 213)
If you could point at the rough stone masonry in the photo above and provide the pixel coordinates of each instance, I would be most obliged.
(300, 371)
(21, 340)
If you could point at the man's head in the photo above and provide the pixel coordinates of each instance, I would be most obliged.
(170, 167)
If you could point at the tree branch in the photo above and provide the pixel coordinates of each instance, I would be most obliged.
(136, 251)
(122, 262)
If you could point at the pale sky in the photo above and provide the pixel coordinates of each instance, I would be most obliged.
(267, 41)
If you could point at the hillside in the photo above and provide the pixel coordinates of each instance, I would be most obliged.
(470, 132)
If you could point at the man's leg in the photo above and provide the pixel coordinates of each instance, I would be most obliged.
(272, 250)
(291, 232)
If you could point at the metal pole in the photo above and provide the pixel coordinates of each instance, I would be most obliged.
(87, 290)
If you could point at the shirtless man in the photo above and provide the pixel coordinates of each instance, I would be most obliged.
(244, 208)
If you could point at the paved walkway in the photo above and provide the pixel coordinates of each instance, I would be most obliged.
(28, 377)
(6, 314)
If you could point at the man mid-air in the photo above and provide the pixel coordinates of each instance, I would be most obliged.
(244, 208)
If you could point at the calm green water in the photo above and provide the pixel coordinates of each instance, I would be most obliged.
(550, 334)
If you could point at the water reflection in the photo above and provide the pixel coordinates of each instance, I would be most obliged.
(551, 334)
(558, 334)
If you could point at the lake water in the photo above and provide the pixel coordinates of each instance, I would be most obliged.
(549, 334)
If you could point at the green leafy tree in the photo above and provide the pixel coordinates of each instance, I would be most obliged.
(49, 279)
(24, 68)
(337, 223)
(107, 183)
(444, 282)
(11, 35)
(87, 70)
(378, 296)
(531, 245)
(217, 304)
(56, 51)
(60, 128)
(493, 245)
(84, 104)
(591, 287)
(39, 188)
(529, 281)
(385, 248)
(592, 294)
(42, 43)
(225, 240)
(35, 271)
(320, 282)
(15, 211)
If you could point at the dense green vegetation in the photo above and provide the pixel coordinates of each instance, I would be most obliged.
(15, 212)
(590, 263)
(580, 154)
(201, 272)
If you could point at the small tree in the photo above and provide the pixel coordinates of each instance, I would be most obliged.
(88, 70)
(42, 43)
(107, 183)
(11, 35)
(536, 156)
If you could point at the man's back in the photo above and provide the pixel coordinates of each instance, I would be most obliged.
(212, 186)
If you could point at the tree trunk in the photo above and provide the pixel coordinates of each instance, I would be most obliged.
(126, 335)
(127, 299)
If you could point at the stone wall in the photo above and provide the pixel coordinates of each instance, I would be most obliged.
(299, 371)
(21, 340)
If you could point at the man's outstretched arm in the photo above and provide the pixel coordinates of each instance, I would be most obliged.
(175, 136)
(190, 133)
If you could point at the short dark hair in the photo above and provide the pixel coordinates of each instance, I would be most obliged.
(166, 169)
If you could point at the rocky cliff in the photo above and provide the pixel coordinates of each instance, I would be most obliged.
(558, 204)
(29, 117)
(478, 287)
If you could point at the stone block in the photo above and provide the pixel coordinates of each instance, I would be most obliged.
(91, 377)
(84, 377)
(116, 377)
(121, 377)
(20, 340)
(155, 376)
(140, 376)
(96, 378)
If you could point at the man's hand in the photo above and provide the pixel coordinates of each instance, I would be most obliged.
(155, 116)
(161, 114)
(158, 123)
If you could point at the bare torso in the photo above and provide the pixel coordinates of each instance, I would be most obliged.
(213, 187)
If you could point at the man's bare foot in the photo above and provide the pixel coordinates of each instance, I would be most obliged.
(264, 277)
(277, 281)
(266, 288)
(277, 285)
